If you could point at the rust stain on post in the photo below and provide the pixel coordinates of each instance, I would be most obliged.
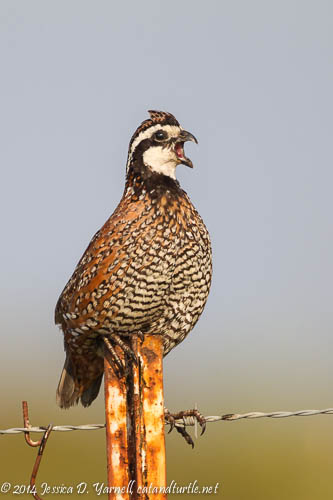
(116, 431)
(137, 417)
(152, 414)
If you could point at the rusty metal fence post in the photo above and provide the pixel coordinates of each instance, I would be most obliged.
(134, 406)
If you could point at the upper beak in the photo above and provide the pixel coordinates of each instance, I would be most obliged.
(183, 137)
(187, 136)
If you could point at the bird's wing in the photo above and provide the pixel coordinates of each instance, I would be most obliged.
(116, 261)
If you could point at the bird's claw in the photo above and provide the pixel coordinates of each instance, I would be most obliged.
(140, 335)
(111, 354)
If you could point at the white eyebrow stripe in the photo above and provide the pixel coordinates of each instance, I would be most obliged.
(173, 131)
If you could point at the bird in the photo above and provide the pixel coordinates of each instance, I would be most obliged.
(148, 269)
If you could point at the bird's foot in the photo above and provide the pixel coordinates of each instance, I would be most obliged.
(170, 418)
(110, 341)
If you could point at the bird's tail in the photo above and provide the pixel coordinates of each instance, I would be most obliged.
(71, 387)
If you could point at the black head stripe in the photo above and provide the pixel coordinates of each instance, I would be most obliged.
(156, 117)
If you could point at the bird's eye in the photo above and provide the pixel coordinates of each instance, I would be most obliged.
(160, 135)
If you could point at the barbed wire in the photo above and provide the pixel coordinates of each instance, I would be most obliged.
(61, 428)
(181, 422)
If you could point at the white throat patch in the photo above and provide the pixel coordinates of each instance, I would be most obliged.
(161, 160)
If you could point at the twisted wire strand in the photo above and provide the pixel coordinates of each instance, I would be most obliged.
(61, 428)
(181, 422)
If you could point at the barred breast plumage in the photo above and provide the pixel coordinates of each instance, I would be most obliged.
(147, 270)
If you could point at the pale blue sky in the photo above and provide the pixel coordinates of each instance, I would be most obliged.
(252, 80)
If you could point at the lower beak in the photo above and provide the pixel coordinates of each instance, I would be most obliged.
(186, 136)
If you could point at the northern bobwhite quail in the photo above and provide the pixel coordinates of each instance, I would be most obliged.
(147, 270)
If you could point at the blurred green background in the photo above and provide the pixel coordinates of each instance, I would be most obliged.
(253, 81)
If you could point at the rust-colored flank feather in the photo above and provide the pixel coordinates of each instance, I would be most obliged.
(147, 270)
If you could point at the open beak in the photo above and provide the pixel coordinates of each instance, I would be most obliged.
(179, 147)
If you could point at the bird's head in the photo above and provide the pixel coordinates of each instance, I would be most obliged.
(157, 145)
